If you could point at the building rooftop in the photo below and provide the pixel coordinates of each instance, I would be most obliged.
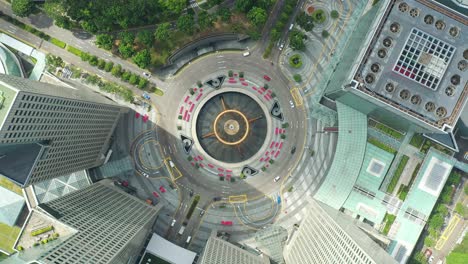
(168, 252)
(49, 190)
(416, 61)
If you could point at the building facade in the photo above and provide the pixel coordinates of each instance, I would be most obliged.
(111, 225)
(328, 236)
(55, 130)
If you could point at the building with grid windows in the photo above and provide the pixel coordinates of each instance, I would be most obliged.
(110, 226)
(329, 236)
(408, 68)
(55, 130)
(219, 251)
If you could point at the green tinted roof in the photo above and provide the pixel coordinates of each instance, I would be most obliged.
(349, 155)
(374, 168)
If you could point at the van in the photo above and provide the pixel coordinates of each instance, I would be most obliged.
(188, 239)
(247, 53)
(291, 26)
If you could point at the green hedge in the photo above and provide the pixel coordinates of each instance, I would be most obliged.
(42, 230)
(193, 206)
(403, 192)
(397, 175)
(388, 131)
(417, 140)
(74, 50)
(58, 43)
(381, 145)
(296, 57)
(389, 219)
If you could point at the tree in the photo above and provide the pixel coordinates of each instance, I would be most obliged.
(93, 60)
(105, 41)
(134, 79)
(142, 58)
(185, 23)
(126, 75)
(108, 66)
(325, 34)
(297, 78)
(101, 64)
(244, 5)
(296, 40)
(126, 37)
(116, 70)
(436, 221)
(334, 14)
(275, 34)
(85, 56)
(466, 189)
(205, 20)
(22, 8)
(224, 13)
(460, 208)
(126, 50)
(175, 6)
(54, 61)
(142, 83)
(257, 16)
(145, 37)
(162, 31)
(305, 21)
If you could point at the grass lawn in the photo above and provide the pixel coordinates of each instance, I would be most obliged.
(159, 92)
(389, 131)
(417, 140)
(381, 145)
(7, 184)
(8, 237)
(58, 43)
(397, 174)
(389, 218)
(74, 50)
(460, 254)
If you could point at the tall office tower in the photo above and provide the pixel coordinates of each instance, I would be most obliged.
(111, 225)
(328, 236)
(219, 251)
(47, 131)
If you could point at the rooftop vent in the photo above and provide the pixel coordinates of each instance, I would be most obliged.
(441, 112)
(389, 87)
(375, 67)
(403, 7)
(395, 27)
(462, 65)
(454, 32)
(455, 79)
(430, 106)
(415, 99)
(405, 94)
(428, 19)
(387, 42)
(382, 53)
(370, 78)
(450, 91)
(414, 12)
(440, 25)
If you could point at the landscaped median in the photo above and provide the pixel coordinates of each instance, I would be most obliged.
(58, 43)
(193, 206)
(74, 50)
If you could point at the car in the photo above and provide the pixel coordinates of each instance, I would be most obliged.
(188, 239)
(277, 178)
(147, 75)
(145, 174)
(431, 259)
(291, 26)
(202, 212)
(281, 47)
(291, 103)
(171, 164)
(173, 222)
(191, 193)
(293, 150)
(226, 223)
(217, 199)
(245, 54)
(161, 188)
(137, 115)
(266, 77)
(155, 194)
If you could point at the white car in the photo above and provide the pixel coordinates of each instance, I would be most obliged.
(281, 46)
(277, 178)
(291, 103)
(173, 222)
(431, 259)
(147, 75)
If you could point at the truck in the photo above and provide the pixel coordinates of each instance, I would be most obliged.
(181, 230)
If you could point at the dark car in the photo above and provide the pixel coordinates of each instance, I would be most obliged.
(293, 150)
(191, 193)
(217, 199)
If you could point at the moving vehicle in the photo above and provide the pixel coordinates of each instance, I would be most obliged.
(191, 193)
(293, 150)
(291, 103)
(266, 77)
(226, 223)
(291, 26)
(277, 178)
(147, 75)
(173, 222)
(217, 199)
(181, 230)
(202, 212)
(281, 47)
(171, 164)
(162, 189)
(188, 239)
(245, 54)
(155, 194)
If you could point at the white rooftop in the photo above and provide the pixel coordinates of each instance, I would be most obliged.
(434, 177)
(168, 251)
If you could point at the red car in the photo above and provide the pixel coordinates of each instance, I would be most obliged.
(162, 189)
(226, 223)
(155, 194)
(145, 118)
(137, 115)
(266, 77)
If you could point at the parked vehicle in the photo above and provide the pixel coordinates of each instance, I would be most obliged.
(188, 239)
(277, 178)
(173, 222)
(245, 54)
(181, 230)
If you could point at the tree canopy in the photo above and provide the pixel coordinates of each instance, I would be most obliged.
(175, 6)
(162, 31)
(142, 58)
(145, 37)
(22, 8)
(296, 40)
(185, 23)
(258, 16)
(205, 20)
(305, 21)
(126, 50)
(105, 41)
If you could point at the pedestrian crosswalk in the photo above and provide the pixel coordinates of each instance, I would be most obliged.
(193, 4)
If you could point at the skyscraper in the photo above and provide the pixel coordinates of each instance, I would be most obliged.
(111, 225)
(47, 131)
(328, 236)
